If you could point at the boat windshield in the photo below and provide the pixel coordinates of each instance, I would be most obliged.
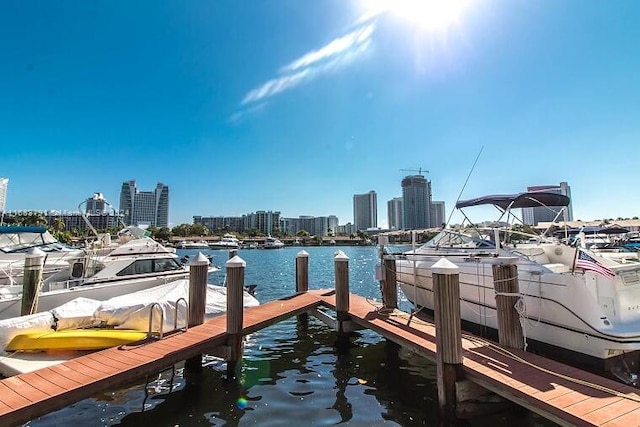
(22, 242)
(454, 239)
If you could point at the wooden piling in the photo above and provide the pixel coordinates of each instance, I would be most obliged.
(446, 293)
(341, 264)
(33, 265)
(302, 282)
(302, 271)
(235, 287)
(198, 278)
(390, 284)
(505, 282)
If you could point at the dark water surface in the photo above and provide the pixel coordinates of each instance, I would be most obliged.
(292, 373)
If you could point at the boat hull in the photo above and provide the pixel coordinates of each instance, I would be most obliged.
(559, 309)
(10, 307)
(74, 339)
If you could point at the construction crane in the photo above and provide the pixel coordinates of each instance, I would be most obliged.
(419, 170)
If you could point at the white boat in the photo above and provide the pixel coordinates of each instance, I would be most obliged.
(17, 241)
(228, 241)
(83, 324)
(193, 245)
(132, 266)
(272, 243)
(578, 304)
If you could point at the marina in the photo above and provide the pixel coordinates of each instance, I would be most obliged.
(556, 397)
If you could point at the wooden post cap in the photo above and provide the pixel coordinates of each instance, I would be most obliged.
(35, 253)
(302, 254)
(444, 266)
(200, 259)
(236, 262)
(340, 256)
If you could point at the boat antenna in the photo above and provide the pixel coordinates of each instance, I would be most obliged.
(464, 185)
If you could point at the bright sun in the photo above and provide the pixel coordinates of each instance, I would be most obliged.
(431, 15)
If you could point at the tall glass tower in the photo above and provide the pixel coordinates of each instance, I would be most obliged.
(533, 216)
(365, 210)
(416, 202)
(144, 207)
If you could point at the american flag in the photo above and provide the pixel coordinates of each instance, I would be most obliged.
(586, 262)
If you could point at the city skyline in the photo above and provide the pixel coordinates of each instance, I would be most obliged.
(297, 107)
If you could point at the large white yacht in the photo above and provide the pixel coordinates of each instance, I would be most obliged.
(579, 304)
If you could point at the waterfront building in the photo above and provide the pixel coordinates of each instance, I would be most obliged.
(263, 221)
(95, 204)
(4, 183)
(395, 216)
(365, 210)
(438, 214)
(534, 216)
(75, 221)
(222, 224)
(416, 206)
(314, 225)
(347, 229)
(144, 207)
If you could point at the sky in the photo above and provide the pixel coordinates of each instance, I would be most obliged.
(295, 106)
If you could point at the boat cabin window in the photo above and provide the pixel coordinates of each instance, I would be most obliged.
(77, 270)
(166, 264)
(146, 266)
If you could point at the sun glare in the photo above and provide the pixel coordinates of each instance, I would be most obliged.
(431, 15)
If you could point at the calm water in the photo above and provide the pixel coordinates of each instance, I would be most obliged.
(292, 373)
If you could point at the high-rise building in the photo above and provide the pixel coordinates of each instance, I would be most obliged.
(438, 214)
(365, 210)
(264, 221)
(395, 217)
(533, 216)
(4, 183)
(95, 204)
(314, 225)
(416, 206)
(144, 207)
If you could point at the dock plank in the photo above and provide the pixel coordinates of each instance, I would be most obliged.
(60, 385)
(547, 391)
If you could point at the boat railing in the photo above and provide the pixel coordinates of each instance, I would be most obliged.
(152, 310)
(186, 314)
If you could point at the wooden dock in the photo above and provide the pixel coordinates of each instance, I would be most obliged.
(547, 390)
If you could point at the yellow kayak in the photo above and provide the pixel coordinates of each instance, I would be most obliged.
(74, 339)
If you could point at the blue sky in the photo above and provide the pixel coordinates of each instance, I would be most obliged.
(290, 105)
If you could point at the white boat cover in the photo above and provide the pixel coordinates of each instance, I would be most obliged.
(130, 311)
(32, 323)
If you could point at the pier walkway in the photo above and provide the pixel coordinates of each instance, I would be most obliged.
(546, 390)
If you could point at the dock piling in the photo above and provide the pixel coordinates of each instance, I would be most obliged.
(390, 284)
(198, 277)
(446, 294)
(505, 282)
(33, 266)
(341, 264)
(235, 287)
(302, 271)
(302, 281)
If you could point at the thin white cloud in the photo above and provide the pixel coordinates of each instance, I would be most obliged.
(337, 53)
(275, 86)
(239, 116)
(332, 49)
